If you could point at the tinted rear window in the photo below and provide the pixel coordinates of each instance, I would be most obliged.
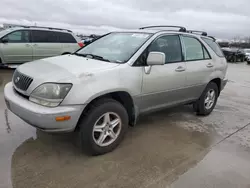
(65, 38)
(214, 46)
(44, 36)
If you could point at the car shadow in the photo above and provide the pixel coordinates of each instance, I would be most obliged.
(155, 149)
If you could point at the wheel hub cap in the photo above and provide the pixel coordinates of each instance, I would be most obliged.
(209, 99)
(106, 129)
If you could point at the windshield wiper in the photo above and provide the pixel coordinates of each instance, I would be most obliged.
(77, 54)
(93, 56)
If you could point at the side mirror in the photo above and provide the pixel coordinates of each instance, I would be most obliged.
(4, 40)
(156, 58)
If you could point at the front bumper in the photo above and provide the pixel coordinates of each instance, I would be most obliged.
(39, 116)
(223, 83)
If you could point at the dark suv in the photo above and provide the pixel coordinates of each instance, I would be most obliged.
(234, 54)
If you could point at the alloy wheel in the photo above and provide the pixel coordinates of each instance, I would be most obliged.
(209, 99)
(107, 129)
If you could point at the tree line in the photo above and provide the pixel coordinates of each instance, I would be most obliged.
(238, 44)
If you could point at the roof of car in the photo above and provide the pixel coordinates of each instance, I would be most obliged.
(40, 28)
(154, 31)
(170, 29)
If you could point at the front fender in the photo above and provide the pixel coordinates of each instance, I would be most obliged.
(94, 85)
(105, 92)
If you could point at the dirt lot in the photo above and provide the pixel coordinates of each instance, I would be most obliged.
(173, 148)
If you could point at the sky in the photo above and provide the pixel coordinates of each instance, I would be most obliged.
(221, 18)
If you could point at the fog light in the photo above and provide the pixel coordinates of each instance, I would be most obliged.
(63, 118)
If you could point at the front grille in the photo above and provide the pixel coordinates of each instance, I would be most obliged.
(21, 81)
(22, 95)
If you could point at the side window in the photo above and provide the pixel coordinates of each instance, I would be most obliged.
(142, 60)
(214, 46)
(193, 49)
(170, 45)
(66, 38)
(206, 55)
(43, 36)
(52, 38)
(18, 37)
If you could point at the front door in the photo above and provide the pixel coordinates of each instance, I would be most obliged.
(17, 48)
(163, 84)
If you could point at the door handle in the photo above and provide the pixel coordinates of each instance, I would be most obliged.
(209, 65)
(34, 44)
(27, 45)
(180, 69)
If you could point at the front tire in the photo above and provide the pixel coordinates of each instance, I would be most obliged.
(206, 103)
(103, 127)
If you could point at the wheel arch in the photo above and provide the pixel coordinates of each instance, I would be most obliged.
(123, 97)
(217, 81)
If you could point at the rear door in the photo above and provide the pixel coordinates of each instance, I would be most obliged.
(199, 64)
(17, 48)
(69, 43)
(45, 44)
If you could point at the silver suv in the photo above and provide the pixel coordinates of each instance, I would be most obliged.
(24, 44)
(102, 88)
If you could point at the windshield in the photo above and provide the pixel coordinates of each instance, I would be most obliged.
(115, 47)
(5, 31)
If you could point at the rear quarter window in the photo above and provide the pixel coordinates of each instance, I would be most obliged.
(214, 46)
(65, 38)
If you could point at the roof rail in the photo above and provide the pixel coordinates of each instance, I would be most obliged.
(181, 29)
(212, 38)
(203, 33)
(40, 27)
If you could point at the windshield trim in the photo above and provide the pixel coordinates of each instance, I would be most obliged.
(4, 32)
(133, 32)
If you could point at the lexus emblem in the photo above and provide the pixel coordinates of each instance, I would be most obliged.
(17, 79)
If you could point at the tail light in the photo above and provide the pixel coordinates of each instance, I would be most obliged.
(80, 44)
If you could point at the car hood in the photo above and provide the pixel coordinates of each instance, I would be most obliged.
(62, 67)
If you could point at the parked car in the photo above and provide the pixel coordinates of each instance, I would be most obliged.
(247, 53)
(90, 39)
(234, 54)
(24, 44)
(102, 88)
(248, 60)
(87, 41)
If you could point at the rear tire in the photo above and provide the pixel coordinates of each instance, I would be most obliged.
(207, 101)
(95, 125)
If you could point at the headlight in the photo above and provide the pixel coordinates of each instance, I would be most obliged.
(50, 94)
